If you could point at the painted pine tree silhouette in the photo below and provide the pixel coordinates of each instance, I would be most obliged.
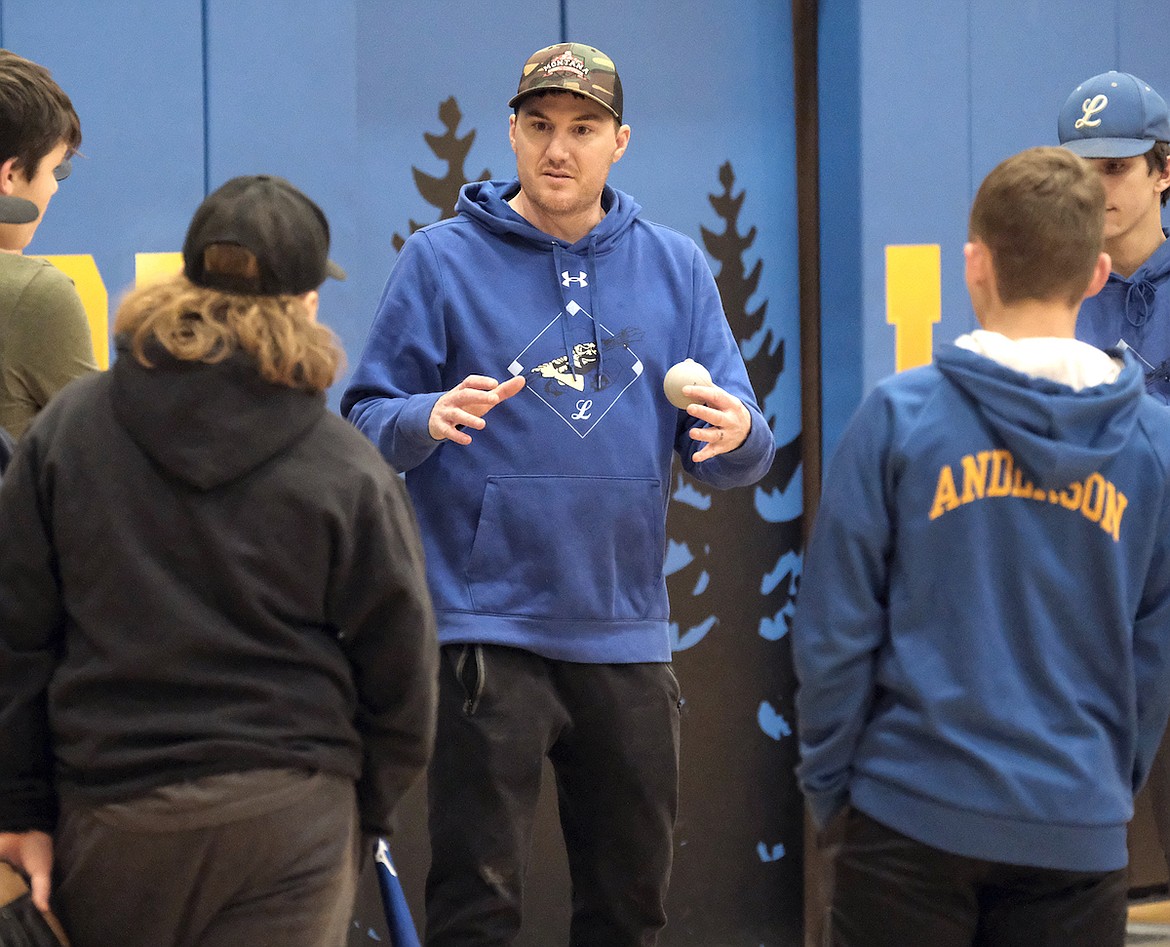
(735, 562)
(442, 193)
(698, 513)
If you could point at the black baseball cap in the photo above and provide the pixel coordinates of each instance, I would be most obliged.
(266, 215)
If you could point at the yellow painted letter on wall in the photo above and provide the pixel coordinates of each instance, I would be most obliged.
(81, 268)
(913, 301)
(151, 266)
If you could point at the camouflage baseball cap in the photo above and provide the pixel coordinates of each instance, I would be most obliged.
(574, 67)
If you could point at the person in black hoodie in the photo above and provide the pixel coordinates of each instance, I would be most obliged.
(217, 649)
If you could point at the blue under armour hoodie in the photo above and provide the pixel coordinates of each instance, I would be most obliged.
(547, 532)
(982, 635)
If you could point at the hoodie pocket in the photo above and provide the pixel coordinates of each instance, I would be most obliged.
(569, 547)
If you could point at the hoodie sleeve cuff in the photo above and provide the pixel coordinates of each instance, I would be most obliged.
(416, 418)
(410, 441)
(745, 465)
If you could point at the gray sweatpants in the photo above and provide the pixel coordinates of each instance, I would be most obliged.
(269, 857)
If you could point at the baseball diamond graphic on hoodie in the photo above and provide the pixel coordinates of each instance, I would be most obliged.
(582, 382)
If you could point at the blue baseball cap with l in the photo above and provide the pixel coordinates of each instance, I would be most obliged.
(1113, 115)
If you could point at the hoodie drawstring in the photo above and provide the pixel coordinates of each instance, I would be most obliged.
(593, 296)
(598, 382)
(1140, 292)
(556, 248)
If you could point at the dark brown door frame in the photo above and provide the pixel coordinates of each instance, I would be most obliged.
(804, 30)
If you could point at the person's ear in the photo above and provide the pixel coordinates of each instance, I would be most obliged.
(312, 301)
(1163, 180)
(976, 262)
(622, 143)
(8, 174)
(1100, 275)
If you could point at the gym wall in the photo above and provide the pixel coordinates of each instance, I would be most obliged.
(918, 102)
(337, 95)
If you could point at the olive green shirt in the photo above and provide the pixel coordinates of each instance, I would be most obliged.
(45, 340)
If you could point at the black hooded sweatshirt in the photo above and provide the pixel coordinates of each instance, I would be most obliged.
(200, 573)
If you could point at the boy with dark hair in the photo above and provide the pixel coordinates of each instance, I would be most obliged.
(980, 703)
(13, 210)
(1122, 126)
(45, 339)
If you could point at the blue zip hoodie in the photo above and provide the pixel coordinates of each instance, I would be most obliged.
(548, 531)
(982, 637)
(1135, 312)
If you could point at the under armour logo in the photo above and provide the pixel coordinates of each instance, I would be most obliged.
(584, 406)
(1091, 107)
(580, 280)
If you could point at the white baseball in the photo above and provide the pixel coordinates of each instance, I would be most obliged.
(686, 372)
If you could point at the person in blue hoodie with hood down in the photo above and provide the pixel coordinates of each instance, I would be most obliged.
(1122, 126)
(544, 522)
(981, 636)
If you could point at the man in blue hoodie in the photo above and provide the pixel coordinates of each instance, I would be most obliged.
(980, 639)
(544, 523)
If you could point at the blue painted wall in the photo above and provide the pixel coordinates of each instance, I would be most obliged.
(135, 74)
(176, 96)
(918, 102)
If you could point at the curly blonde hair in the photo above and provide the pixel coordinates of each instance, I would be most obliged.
(195, 324)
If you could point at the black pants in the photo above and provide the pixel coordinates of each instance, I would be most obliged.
(172, 870)
(1157, 790)
(611, 733)
(892, 890)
